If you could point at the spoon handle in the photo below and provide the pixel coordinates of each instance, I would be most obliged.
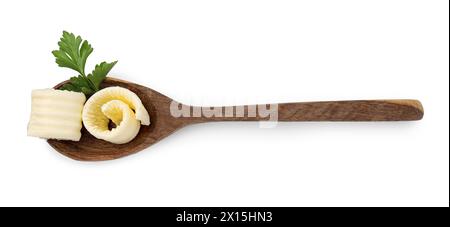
(357, 110)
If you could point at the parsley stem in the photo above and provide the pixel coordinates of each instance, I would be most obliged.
(93, 87)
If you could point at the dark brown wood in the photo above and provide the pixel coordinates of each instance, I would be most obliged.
(163, 123)
(356, 110)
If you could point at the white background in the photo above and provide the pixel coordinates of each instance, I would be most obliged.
(239, 52)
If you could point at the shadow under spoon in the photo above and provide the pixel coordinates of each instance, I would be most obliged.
(163, 123)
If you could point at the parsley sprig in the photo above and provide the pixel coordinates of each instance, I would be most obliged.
(73, 53)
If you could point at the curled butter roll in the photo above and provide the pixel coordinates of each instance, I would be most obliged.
(119, 105)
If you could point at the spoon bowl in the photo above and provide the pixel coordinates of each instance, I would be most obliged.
(163, 123)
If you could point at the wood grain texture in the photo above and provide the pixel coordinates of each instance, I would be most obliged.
(358, 110)
(163, 123)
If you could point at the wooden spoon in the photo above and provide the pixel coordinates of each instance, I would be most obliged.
(163, 123)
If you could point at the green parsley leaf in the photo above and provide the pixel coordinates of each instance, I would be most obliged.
(82, 84)
(100, 72)
(73, 53)
(70, 87)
